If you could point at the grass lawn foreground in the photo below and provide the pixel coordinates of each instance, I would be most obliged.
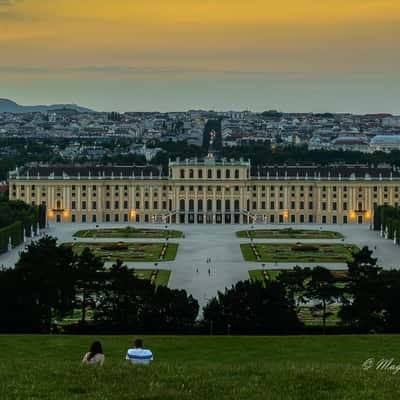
(128, 232)
(128, 252)
(197, 368)
(289, 233)
(299, 252)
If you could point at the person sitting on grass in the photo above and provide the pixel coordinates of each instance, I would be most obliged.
(139, 355)
(95, 355)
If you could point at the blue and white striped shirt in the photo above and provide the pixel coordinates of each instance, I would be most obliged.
(139, 356)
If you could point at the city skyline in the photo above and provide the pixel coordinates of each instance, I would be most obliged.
(339, 56)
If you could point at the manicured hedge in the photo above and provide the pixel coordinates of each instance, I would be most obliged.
(387, 217)
(17, 217)
(42, 216)
(15, 231)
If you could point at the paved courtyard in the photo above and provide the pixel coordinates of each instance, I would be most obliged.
(203, 280)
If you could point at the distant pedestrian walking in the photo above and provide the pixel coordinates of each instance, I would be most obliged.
(209, 272)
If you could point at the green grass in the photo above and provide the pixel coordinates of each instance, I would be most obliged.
(135, 251)
(128, 232)
(199, 368)
(260, 275)
(289, 233)
(284, 252)
(161, 275)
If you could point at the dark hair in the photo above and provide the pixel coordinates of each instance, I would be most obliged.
(95, 348)
(138, 343)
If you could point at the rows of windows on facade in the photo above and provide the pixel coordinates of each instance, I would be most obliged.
(210, 175)
(279, 199)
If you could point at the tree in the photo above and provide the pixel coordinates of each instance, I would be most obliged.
(45, 275)
(171, 311)
(120, 302)
(129, 303)
(391, 300)
(362, 302)
(294, 282)
(17, 312)
(90, 276)
(250, 308)
(322, 290)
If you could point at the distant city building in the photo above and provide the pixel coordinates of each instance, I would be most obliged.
(232, 128)
(351, 143)
(385, 143)
(392, 121)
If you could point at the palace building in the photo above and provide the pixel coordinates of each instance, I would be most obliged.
(208, 192)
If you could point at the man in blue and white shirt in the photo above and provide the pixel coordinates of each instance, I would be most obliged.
(139, 355)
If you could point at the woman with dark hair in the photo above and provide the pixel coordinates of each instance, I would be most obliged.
(95, 355)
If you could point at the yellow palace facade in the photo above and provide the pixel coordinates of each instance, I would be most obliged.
(208, 192)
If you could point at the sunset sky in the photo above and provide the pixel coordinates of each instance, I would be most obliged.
(127, 55)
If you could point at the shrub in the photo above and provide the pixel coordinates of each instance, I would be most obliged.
(15, 231)
(115, 247)
(305, 247)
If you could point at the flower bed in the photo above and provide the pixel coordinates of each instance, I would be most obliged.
(305, 247)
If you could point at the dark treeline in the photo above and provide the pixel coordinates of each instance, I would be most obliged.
(265, 154)
(28, 150)
(50, 284)
(12, 211)
(368, 299)
(261, 154)
(18, 218)
(387, 219)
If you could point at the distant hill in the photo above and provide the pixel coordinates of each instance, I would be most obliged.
(10, 106)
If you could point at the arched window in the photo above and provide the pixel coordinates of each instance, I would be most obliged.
(227, 173)
(191, 173)
(237, 205)
(182, 205)
(209, 205)
(218, 174)
(219, 205)
(182, 173)
(236, 174)
(209, 174)
(191, 204)
(58, 205)
(200, 173)
(200, 205)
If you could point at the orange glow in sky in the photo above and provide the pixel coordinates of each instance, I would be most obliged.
(202, 52)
